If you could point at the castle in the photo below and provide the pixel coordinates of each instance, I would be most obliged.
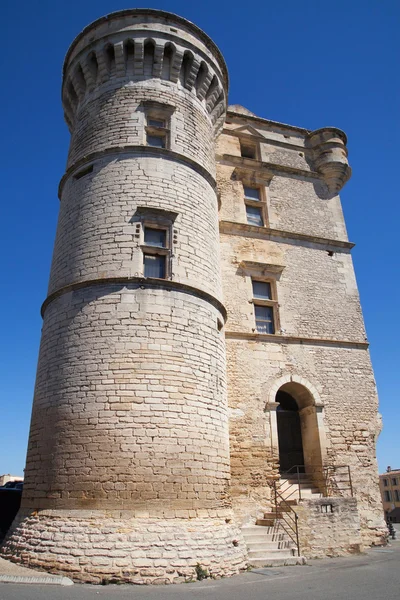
(204, 373)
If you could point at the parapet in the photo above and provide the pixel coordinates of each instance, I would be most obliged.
(138, 44)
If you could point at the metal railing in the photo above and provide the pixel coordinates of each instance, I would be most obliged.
(285, 518)
(333, 480)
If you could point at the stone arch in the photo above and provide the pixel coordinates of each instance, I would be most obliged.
(310, 410)
(293, 379)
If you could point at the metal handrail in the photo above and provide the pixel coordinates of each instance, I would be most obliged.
(291, 529)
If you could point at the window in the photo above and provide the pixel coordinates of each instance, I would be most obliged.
(265, 306)
(388, 496)
(397, 495)
(155, 251)
(385, 482)
(394, 481)
(252, 193)
(154, 265)
(248, 149)
(157, 127)
(254, 215)
(254, 199)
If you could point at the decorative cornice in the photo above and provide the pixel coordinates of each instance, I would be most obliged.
(209, 43)
(164, 153)
(265, 233)
(287, 339)
(273, 168)
(142, 282)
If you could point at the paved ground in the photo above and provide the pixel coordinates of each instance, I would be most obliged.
(368, 577)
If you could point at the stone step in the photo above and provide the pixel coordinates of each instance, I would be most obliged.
(269, 561)
(271, 552)
(257, 530)
(267, 546)
(260, 539)
(265, 522)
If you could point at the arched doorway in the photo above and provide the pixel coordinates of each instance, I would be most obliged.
(289, 433)
(300, 431)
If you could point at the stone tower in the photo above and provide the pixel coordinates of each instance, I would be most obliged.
(127, 472)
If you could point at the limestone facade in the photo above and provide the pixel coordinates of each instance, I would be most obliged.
(151, 356)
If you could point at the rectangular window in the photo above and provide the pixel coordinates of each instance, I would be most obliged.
(156, 123)
(254, 215)
(397, 495)
(158, 127)
(251, 193)
(261, 290)
(385, 482)
(388, 496)
(154, 265)
(155, 237)
(394, 481)
(248, 149)
(157, 141)
(264, 319)
(265, 306)
(156, 245)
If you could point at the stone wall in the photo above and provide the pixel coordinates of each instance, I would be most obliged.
(319, 343)
(126, 546)
(335, 533)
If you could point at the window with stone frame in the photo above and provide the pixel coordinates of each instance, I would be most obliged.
(156, 244)
(388, 496)
(254, 199)
(265, 306)
(158, 125)
(385, 482)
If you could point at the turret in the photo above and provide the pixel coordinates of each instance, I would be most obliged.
(128, 461)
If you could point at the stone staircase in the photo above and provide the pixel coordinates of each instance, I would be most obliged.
(268, 543)
(291, 489)
(268, 546)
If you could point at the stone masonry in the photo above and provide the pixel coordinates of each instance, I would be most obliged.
(154, 425)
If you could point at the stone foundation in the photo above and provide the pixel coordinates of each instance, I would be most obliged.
(119, 546)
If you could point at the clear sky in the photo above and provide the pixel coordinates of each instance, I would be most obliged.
(309, 63)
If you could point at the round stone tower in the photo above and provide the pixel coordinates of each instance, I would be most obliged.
(127, 474)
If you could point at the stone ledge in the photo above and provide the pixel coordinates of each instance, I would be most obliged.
(286, 339)
(267, 233)
(149, 282)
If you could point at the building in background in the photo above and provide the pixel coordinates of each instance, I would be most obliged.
(204, 371)
(389, 484)
(5, 478)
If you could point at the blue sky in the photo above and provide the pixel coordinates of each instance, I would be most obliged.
(310, 63)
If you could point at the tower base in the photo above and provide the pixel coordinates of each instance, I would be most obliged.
(98, 546)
